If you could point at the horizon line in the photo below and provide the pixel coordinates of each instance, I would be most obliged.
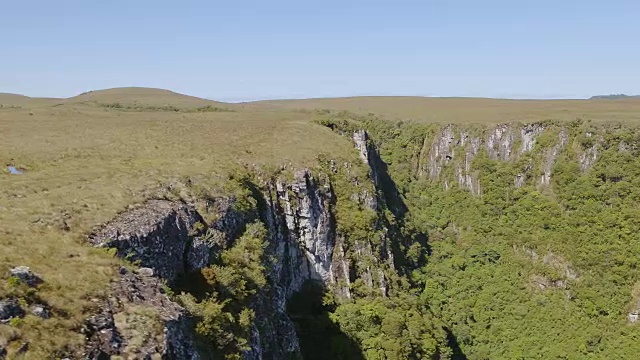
(234, 99)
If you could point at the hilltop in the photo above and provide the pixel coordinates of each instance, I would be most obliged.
(124, 97)
(17, 100)
(143, 96)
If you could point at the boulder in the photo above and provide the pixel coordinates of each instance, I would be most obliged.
(40, 311)
(145, 271)
(157, 235)
(26, 276)
(9, 309)
(139, 321)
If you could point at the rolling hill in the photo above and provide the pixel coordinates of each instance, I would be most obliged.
(143, 96)
(15, 100)
(138, 97)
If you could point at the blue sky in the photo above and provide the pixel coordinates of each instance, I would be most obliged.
(245, 50)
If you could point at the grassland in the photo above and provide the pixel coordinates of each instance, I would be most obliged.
(471, 110)
(85, 161)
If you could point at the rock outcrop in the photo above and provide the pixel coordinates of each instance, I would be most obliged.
(499, 143)
(528, 134)
(139, 321)
(168, 240)
(302, 233)
(10, 308)
(156, 235)
(457, 148)
(588, 157)
(300, 217)
(25, 275)
(441, 152)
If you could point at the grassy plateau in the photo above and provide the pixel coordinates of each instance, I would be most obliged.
(86, 158)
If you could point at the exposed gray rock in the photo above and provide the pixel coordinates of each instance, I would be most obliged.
(341, 270)
(360, 138)
(555, 261)
(144, 271)
(139, 321)
(522, 177)
(528, 135)
(157, 234)
(441, 151)
(367, 154)
(312, 224)
(26, 276)
(10, 308)
(302, 227)
(303, 246)
(103, 338)
(499, 143)
(624, 147)
(302, 231)
(466, 177)
(588, 157)
(40, 311)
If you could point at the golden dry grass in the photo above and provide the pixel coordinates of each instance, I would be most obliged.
(145, 97)
(9, 100)
(471, 110)
(84, 164)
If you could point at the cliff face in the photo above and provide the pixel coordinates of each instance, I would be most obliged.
(166, 239)
(138, 320)
(449, 155)
(307, 240)
(157, 235)
(302, 239)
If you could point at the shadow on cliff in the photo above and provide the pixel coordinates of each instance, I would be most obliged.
(320, 338)
(389, 193)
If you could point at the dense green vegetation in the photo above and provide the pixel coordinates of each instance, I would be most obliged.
(534, 272)
(225, 291)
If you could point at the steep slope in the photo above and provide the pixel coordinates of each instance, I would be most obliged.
(83, 165)
(532, 237)
(328, 231)
(529, 233)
